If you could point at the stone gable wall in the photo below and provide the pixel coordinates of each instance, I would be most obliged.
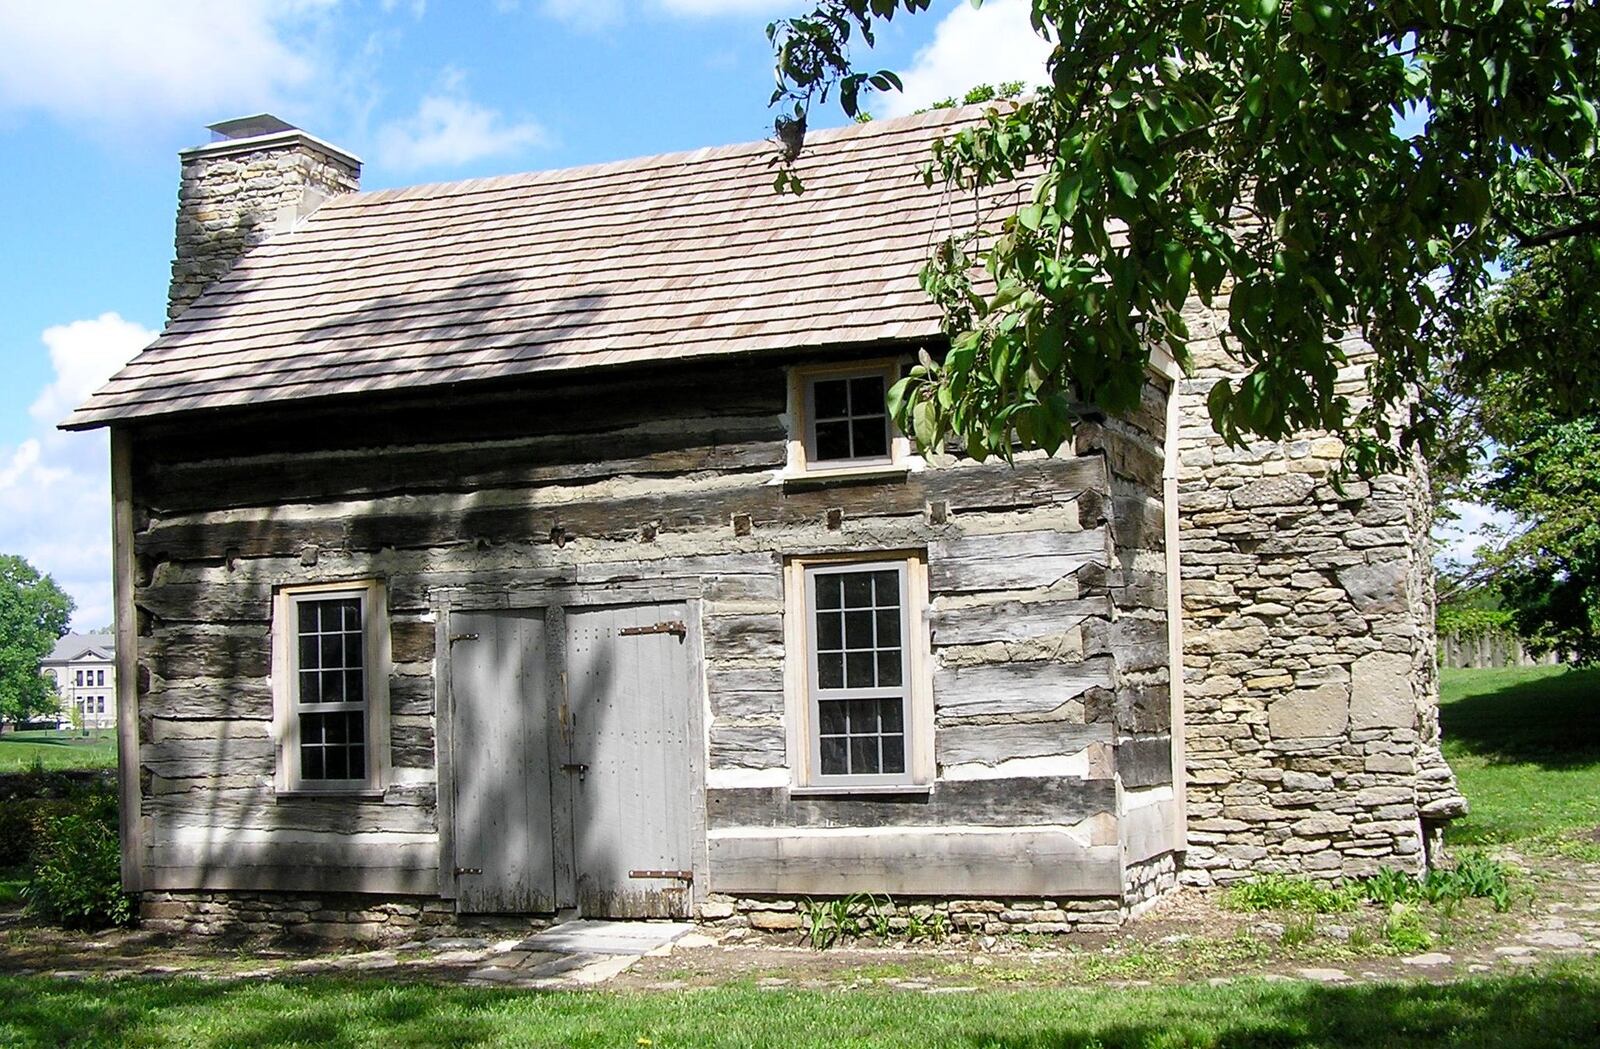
(1310, 683)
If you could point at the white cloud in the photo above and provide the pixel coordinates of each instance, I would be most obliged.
(1475, 526)
(592, 15)
(115, 62)
(986, 45)
(84, 355)
(732, 7)
(448, 129)
(55, 488)
(588, 15)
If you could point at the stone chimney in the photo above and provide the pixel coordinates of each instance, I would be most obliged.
(258, 176)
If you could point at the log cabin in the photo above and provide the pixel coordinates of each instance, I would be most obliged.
(539, 545)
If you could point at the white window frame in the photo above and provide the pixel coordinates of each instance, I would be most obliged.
(800, 670)
(286, 685)
(802, 461)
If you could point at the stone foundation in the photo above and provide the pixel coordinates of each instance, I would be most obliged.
(1049, 916)
(320, 916)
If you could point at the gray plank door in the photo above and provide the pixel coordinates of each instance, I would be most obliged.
(500, 761)
(630, 692)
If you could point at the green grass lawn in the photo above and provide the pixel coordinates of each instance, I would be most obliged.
(19, 751)
(1525, 744)
(1557, 1008)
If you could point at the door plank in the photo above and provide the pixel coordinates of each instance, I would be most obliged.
(502, 815)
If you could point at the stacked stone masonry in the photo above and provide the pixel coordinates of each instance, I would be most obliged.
(231, 200)
(1311, 690)
(356, 917)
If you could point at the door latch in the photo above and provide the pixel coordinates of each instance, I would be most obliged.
(468, 870)
(580, 767)
(675, 627)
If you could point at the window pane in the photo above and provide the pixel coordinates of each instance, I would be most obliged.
(831, 718)
(858, 629)
(858, 670)
(830, 635)
(833, 440)
(890, 712)
(332, 649)
(866, 395)
(308, 617)
(352, 687)
(894, 753)
(864, 716)
(829, 399)
(835, 760)
(887, 585)
(889, 628)
(869, 438)
(828, 591)
(333, 726)
(864, 756)
(332, 687)
(888, 669)
(332, 746)
(858, 590)
(830, 670)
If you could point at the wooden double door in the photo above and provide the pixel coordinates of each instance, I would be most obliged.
(572, 760)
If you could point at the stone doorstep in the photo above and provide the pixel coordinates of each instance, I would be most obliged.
(587, 936)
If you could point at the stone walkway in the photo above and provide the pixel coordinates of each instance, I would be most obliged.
(1562, 922)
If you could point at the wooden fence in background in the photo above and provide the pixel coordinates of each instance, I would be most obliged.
(1490, 650)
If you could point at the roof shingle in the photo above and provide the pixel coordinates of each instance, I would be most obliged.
(668, 257)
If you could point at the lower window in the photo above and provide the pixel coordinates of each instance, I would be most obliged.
(859, 677)
(333, 655)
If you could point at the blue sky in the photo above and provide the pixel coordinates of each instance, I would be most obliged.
(98, 96)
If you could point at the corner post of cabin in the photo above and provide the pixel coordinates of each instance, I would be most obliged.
(131, 825)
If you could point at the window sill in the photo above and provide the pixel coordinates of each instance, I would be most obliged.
(843, 790)
(820, 478)
(357, 793)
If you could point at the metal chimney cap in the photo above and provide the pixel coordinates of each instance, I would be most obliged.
(248, 127)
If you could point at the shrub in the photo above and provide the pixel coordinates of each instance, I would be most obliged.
(1475, 877)
(76, 880)
(1404, 932)
(1277, 892)
(20, 825)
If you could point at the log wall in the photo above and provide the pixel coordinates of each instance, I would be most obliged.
(1046, 614)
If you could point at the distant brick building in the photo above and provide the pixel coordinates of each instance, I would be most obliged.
(84, 671)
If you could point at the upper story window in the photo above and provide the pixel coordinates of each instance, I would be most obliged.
(330, 669)
(848, 419)
(99, 678)
(840, 420)
(79, 678)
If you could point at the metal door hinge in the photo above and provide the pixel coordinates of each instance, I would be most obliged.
(462, 637)
(671, 626)
(468, 870)
(665, 875)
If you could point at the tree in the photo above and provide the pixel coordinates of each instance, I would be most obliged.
(1321, 166)
(34, 613)
(1513, 447)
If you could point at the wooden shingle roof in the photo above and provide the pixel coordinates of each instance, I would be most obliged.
(679, 256)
